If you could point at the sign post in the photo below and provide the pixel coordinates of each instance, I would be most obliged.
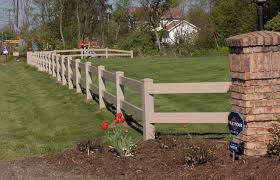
(235, 126)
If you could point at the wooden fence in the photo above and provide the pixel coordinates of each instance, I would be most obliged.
(92, 52)
(68, 71)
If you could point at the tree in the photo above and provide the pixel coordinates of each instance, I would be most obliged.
(272, 9)
(121, 16)
(61, 6)
(273, 24)
(154, 9)
(199, 16)
(233, 17)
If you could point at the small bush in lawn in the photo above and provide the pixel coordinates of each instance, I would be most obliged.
(274, 145)
(196, 154)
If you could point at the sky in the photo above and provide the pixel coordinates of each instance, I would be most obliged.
(4, 15)
(4, 6)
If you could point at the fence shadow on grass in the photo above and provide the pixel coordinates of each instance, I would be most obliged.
(206, 135)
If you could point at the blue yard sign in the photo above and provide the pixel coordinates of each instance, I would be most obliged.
(34, 47)
(234, 147)
(235, 123)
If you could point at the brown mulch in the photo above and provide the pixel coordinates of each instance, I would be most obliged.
(151, 161)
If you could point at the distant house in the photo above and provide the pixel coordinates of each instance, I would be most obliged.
(177, 29)
(172, 21)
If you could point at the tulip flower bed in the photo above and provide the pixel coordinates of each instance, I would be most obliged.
(164, 158)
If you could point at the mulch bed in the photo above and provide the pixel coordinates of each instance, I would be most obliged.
(153, 160)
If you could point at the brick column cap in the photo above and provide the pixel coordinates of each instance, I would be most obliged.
(252, 39)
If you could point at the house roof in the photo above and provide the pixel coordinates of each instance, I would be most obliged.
(172, 24)
(173, 13)
(175, 23)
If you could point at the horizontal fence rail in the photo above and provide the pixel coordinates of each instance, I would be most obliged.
(71, 72)
(93, 52)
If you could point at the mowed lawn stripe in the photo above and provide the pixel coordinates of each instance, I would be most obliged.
(39, 116)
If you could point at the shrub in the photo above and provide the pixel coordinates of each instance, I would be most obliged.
(196, 154)
(223, 51)
(273, 24)
(140, 42)
(274, 146)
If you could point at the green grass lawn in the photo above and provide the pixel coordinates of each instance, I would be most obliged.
(39, 116)
(177, 70)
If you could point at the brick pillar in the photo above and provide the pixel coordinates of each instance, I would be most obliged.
(255, 91)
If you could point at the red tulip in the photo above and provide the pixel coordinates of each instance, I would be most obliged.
(116, 120)
(119, 118)
(104, 125)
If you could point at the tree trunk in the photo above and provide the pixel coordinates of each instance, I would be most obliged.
(60, 23)
(117, 32)
(157, 40)
(216, 42)
(78, 24)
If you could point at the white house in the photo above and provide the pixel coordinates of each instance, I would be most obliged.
(177, 29)
(172, 21)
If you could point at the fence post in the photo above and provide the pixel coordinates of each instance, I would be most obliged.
(106, 53)
(101, 87)
(47, 62)
(36, 59)
(78, 76)
(50, 63)
(119, 90)
(148, 110)
(58, 68)
(28, 57)
(39, 61)
(88, 80)
(53, 64)
(63, 70)
(131, 54)
(82, 53)
(70, 73)
(44, 62)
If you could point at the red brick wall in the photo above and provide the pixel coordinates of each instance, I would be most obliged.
(254, 61)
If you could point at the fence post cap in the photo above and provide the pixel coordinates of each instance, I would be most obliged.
(147, 80)
(101, 67)
(119, 73)
(88, 63)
